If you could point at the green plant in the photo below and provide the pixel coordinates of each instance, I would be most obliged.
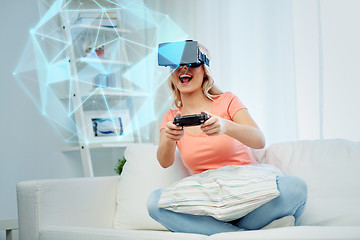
(119, 166)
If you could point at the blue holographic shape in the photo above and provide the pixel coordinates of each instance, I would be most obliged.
(114, 42)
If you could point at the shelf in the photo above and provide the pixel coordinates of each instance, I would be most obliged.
(62, 90)
(95, 146)
(108, 98)
(117, 93)
(103, 100)
(101, 28)
(100, 60)
(8, 224)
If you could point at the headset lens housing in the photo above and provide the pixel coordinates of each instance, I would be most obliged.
(187, 52)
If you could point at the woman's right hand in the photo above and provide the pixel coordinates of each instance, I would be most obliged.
(173, 132)
(168, 137)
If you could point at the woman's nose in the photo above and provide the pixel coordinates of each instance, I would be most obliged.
(184, 66)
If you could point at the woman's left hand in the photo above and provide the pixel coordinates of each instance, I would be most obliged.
(214, 126)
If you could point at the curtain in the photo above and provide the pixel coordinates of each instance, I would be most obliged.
(281, 58)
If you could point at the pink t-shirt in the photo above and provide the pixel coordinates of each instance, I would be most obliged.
(201, 152)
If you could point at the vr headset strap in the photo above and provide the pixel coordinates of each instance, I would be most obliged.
(203, 58)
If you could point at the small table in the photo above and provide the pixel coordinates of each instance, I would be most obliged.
(8, 225)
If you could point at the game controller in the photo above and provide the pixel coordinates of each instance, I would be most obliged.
(190, 120)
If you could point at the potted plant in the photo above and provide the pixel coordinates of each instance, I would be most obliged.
(119, 166)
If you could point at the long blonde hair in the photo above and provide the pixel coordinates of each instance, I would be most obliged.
(208, 87)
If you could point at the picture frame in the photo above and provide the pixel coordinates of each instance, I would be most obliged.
(109, 126)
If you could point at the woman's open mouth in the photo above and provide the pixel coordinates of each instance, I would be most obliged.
(185, 78)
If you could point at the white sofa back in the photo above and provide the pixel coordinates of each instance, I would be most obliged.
(330, 168)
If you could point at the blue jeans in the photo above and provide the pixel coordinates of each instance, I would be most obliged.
(291, 201)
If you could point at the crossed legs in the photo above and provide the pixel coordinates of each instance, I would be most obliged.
(290, 202)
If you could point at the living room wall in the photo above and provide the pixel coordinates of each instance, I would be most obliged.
(30, 148)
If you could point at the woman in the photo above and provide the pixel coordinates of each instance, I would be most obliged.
(224, 139)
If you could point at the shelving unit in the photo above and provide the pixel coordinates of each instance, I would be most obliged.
(9, 226)
(92, 103)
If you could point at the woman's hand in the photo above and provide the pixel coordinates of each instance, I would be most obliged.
(214, 126)
(168, 137)
(173, 132)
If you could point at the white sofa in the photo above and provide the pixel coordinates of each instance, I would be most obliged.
(115, 207)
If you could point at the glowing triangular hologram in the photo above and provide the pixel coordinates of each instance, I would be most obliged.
(98, 57)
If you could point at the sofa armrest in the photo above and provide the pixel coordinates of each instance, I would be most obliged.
(88, 202)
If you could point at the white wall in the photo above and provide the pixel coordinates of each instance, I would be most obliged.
(29, 146)
(307, 67)
(327, 60)
(341, 53)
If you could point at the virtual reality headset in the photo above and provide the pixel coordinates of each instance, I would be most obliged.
(175, 54)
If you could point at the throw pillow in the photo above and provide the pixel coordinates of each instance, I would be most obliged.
(227, 193)
(141, 175)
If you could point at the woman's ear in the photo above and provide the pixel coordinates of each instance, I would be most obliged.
(205, 79)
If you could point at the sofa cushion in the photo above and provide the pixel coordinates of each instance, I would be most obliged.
(331, 169)
(84, 233)
(227, 193)
(141, 175)
(298, 232)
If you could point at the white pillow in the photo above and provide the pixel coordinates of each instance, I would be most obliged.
(227, 193)
(141, 175)
(331, 170)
